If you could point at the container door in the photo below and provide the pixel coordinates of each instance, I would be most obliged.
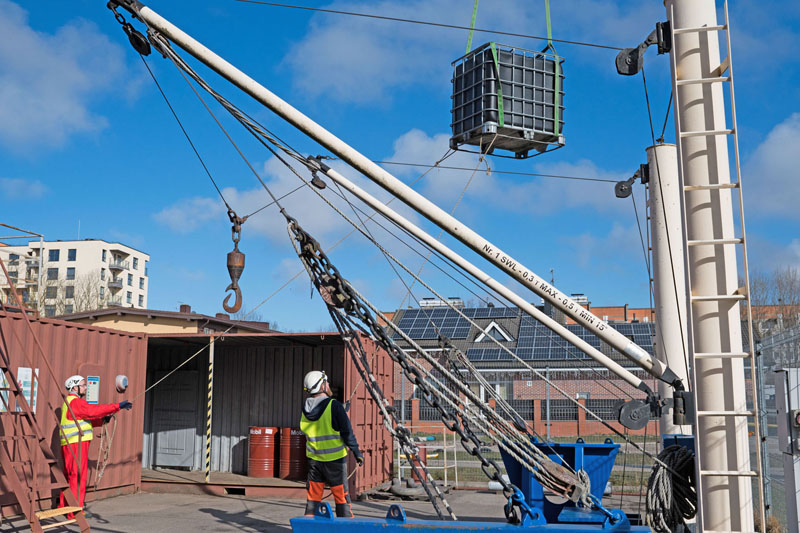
(175, 419)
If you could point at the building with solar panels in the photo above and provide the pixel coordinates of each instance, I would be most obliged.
(569, 369)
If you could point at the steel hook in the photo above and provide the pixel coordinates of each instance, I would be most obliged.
(237, 303)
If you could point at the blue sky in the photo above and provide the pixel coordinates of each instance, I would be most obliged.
(85, 138)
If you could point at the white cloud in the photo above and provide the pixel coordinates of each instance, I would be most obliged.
(17, 188)
(188, 214)
(771, 172)
(47, 81)
(354, 59)
(613, 251)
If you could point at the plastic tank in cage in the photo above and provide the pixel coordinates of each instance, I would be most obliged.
(521, 113)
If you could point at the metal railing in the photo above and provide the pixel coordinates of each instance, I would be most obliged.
(119, 265)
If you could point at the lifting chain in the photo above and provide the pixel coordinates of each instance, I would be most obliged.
(338, 293)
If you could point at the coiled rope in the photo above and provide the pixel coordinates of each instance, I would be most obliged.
(671, 495)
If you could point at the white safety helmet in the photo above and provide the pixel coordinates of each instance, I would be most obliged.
(314, 381)
(73, 381)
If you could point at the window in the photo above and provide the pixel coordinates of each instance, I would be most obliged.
(130, 280)
(13, 259)
(25, 295)
(135, 263)
(141, 300)
(70, 273)
(52, 273)
(53, 255)
(104, 255)
(68, 308)
(141, 283)
(102, 292)
(12, 273)
(69, 291)
(49, 310)
(51, 292)
(129, 299)
(72, 254)
(103, 274)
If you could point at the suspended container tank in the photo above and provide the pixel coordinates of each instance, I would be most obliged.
(508, 98)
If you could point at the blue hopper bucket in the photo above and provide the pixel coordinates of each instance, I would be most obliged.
(596, 460)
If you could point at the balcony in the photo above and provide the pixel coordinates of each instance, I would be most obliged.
(115, 283)
(114, 301)
(119, 265)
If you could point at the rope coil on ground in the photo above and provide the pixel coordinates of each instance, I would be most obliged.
(671, 495)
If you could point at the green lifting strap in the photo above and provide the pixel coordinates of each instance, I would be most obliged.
(557, 87)
(472, 26)
(499, 85)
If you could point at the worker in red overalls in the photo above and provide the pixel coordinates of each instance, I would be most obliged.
(76, 434)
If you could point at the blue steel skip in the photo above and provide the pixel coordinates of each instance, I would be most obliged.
(323, 520)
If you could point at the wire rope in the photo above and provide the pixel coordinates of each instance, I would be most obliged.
(495, 171)
(428, 23)
(685, 357)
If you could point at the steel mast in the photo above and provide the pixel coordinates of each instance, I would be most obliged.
(725, 496)
(396, 187)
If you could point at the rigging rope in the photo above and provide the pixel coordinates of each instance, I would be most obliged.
(671, 496)
(258, 131)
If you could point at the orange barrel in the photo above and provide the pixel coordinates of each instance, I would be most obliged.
(263, 452)
(423, 458)
(294, 463)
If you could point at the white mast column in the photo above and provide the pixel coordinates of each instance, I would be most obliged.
(669, 271)
(726, 502)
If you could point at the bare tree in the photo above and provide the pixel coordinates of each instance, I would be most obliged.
(775, 299)
(787, 295)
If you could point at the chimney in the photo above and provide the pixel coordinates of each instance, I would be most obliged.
(186, 308)
(223, 316)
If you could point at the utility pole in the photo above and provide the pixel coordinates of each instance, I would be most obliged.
(668, 271)
(725, 499)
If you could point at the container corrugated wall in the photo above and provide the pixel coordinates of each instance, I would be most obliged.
(79, 349)
(261, 385)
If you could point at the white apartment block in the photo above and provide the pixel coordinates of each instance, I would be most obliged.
(62, 277)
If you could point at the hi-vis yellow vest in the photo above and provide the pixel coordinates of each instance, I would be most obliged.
(69, 428)
(323, 443)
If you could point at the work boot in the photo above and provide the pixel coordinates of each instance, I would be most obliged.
(343, 510)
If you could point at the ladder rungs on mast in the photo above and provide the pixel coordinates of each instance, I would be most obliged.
(702, 242)
(725, 413)
(718, 297)
(717, 79)
(678, 31)
(711, 187)
(729, 473)
(705, 133)
(722, 355)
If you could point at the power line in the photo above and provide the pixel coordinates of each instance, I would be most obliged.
(428, 23)
(509, 172)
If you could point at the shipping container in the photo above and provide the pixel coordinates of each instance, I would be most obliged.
(257, 382)
(71, 348)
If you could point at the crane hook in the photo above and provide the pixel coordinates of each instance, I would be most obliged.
(237, 303)
(235, 264)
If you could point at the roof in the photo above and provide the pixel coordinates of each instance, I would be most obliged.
(325, 338)
(530, 340)
(155, 313)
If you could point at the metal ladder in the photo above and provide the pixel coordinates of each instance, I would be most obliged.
(722, 74)
(23, 450)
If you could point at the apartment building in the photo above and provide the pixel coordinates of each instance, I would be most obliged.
(62, 277)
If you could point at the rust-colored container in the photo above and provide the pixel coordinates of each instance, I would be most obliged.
(263, 452)
(423, 458)
(294, 463)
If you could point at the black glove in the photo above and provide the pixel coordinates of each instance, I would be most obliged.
(359, 459)
(107, 419)
(125, 404)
